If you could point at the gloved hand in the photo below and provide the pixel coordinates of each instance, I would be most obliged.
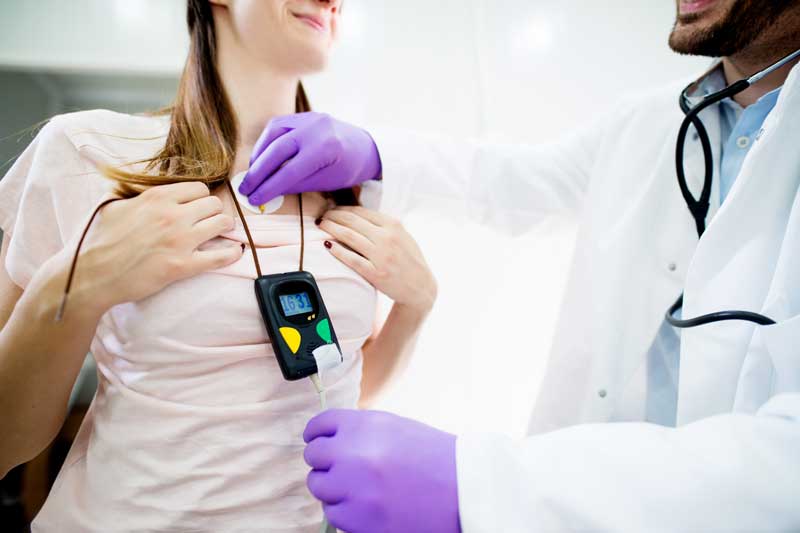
(309, 152)
(377, 472)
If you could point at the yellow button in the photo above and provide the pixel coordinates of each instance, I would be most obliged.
(292, 338)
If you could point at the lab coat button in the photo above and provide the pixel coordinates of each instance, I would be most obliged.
(601, 393)
(672, 267)
(743, 142)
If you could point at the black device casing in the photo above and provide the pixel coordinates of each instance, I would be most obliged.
(268, 288)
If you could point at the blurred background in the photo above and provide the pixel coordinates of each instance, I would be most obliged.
(513, 70)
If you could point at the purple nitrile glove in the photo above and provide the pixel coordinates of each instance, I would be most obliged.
(377, 472)
(309, 152)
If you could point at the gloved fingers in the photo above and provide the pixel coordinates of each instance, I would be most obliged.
(319, 453)
(323, 425)
(286, 180)
(324, 488)
(276, 127)
(336, 513)
(273, 157)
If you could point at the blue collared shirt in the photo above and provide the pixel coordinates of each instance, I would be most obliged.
(738, 129)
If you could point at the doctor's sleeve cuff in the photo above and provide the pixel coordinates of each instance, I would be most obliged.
(389, 194)
(371, 194)
(494, 493)
(732, 472)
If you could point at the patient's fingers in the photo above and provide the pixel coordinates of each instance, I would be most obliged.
(348, 236)
(362, 266)
(354, 221)
(376, 217)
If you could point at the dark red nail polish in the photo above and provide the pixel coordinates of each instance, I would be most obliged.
(242, 247)
(318, 221)
(328, 245)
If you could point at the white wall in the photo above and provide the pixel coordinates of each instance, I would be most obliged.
(522, 70)
(94, 35)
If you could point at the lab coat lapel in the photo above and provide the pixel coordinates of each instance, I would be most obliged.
(659, 225)
(735, 261)
(676, 238)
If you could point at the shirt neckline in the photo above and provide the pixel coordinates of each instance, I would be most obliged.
(714, 80)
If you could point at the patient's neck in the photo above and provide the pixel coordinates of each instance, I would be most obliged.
(256, 96)
(256, 92)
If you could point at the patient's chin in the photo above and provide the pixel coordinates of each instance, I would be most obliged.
(298, 67)
(310, 52)
(298, 57)
(312, 62)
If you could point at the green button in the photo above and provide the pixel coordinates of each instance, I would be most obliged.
(324, 330)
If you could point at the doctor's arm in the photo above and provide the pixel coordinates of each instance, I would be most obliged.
(731, 472)
(376, 471)
(509, 187)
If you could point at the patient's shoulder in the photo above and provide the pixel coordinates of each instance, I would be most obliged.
(108, 136)
(104, 122)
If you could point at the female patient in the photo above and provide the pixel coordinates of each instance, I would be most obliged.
(193, 427)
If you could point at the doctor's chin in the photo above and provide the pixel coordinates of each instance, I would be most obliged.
(362, 266)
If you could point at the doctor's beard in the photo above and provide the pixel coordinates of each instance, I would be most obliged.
(745, 21)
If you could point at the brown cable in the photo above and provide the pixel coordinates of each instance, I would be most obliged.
(302, 231)
(250, 238)
(74, 264)
(246, 228)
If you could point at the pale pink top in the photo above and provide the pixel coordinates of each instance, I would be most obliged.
(193, 427)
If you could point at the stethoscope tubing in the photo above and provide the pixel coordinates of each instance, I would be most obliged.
(719, 316)
(698, 207)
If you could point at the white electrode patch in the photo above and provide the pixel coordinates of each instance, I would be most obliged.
(327, 357)
(269, 207)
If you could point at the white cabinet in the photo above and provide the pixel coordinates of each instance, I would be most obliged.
(138, 36)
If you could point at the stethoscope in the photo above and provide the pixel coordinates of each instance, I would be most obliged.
(699, 207)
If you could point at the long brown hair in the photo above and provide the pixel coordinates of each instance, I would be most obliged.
(202, 138)
(201, 143)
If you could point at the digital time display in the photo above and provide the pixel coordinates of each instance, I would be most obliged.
(296, 304)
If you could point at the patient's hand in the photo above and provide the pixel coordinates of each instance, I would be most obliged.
(380, 250)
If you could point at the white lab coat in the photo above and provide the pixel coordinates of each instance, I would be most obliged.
(733, 462)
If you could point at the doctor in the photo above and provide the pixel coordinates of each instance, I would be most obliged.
(639, 426)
